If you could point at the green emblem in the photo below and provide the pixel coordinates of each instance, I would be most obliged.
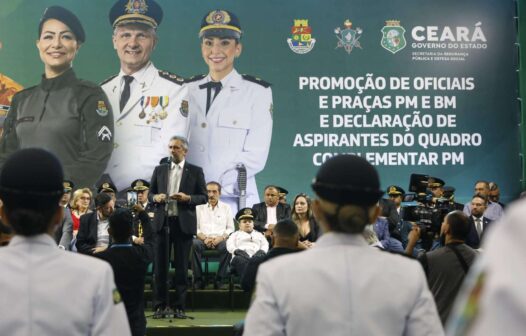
(393, 38)
(116, 296)
(348, 38)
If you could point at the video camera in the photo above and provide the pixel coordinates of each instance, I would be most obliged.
(429, 212)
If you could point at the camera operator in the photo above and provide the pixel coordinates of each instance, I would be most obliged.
(446, 266)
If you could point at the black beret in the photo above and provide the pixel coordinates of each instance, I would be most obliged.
(66, 17)
(348, 179)
(32, 172)
(146, 12)
(220, 23)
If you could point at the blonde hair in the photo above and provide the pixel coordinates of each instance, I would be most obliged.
(77, 195)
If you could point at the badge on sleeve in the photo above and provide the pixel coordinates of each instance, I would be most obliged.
(184, 108)
(116, 296)
(104, 134)
(271, 109)
(102, 110)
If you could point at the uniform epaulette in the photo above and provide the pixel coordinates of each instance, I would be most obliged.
(194, 78)
(256, 80)
(171, 77)
(107, 80)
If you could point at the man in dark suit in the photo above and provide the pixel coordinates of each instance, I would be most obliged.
(93, 236)
(130, 262)
(179, 186)
(477, 222)
(268, 213)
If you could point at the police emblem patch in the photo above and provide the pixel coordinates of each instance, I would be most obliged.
(218, 17)
(102, 110)
(116, 296)
(104, 134)
(136, 7)
(301, 41)
(348, 38)
(393, 38)
(184, 108)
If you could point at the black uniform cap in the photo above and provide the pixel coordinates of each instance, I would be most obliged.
(220, 23)
(395, 190)
(147, 12)
(245, 213)
(107, 187)
(68, 186)
(31, 173)
(140, 185)
(348, 179)
(435, 182)
(66, 17)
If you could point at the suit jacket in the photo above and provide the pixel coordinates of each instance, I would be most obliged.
(260, 219)
(473, 239)
(192, 184)
(87, 235)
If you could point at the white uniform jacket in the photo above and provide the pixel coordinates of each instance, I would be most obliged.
(341, 287)
(156, 111)
(248, 242)
(49, 291)
(237, 129)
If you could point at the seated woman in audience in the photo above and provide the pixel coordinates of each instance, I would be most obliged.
(79, 206)
(304, 219)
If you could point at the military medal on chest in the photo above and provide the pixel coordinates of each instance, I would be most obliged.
(164, 103)
(154, 101)
(145, 101)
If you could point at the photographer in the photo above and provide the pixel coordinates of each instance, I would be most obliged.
(446, 266)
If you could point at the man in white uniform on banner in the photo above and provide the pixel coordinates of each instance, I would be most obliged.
(230, 114)
(150, 105)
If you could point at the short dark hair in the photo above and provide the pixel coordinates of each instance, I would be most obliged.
(101, 199)
(121, 224)
(215, 183)
(458, 224)
(484, 198)
(285, 228)
(271, 186)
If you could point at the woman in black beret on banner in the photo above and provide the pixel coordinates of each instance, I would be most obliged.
(62, 114)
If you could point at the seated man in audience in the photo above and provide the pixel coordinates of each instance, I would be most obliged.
(447, 266)
(214, 224)
(285, 239)
(268, 213)
(493, 210)
(245, 243)
(130, 262)
(478, 224)
(494, 194)
(142, 188)
(64, 232)
(93, 236)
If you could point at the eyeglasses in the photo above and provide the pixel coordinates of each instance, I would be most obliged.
(85, 198)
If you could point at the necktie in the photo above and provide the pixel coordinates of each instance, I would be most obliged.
(478, 226)
(125, 95)
(172, 189)
(209, 86)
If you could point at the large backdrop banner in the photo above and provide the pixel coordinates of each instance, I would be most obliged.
(413, 86)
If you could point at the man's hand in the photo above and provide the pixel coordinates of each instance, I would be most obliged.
(99, 249)
(180, 197)
(412, 239)
(201, 236)
(137, 208)
(139, 241)
(217, 240)
(159, 198)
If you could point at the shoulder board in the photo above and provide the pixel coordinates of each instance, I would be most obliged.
(256, 80)
(107, 80)
(171, 77)
(194, 78)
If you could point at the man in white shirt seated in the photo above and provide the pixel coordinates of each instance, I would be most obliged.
(214, 224)
(93, 236)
